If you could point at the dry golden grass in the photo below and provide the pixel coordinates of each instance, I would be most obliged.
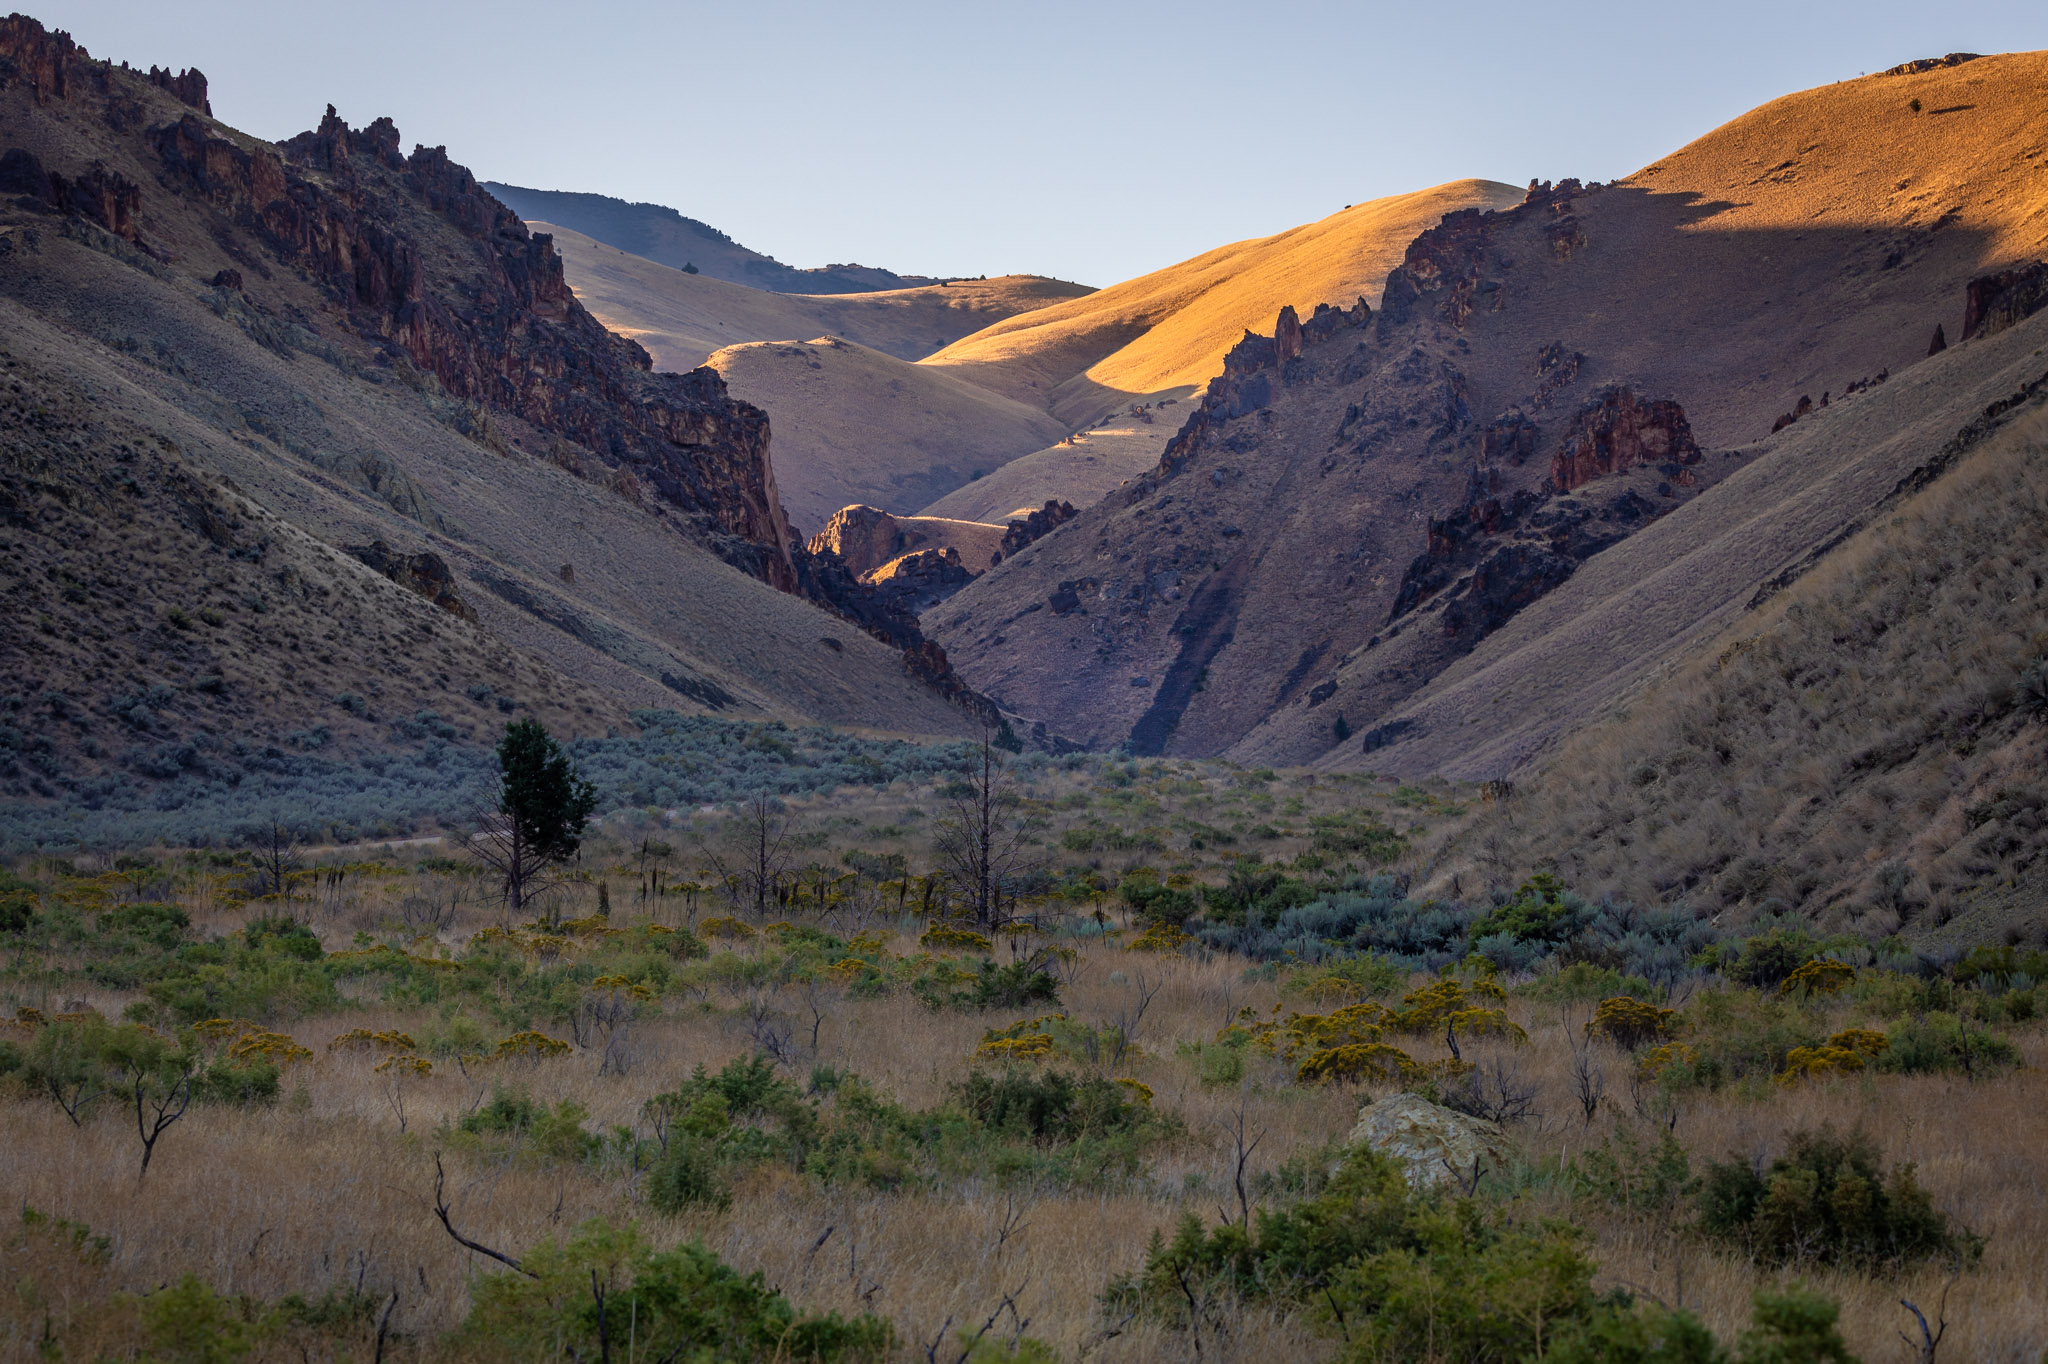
(1165, 333)
(853, 424)
(1082, 469)
(332, 1189)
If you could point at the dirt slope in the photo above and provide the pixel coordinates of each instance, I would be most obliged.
(852, 424)
(1082, 469)
(682, 318)
(1166, 332)
(1537, 385)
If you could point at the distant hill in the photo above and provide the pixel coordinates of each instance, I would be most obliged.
(661, 234)
(1165, 333)
(855, 425)
(683, 318)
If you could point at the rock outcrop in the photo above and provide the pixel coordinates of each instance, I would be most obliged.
(425, 573)
(1434, 1146)
(1618, 431)
(1992, 303)
(496, 324)
(921, 579)
(864, 538)
(1028, 529)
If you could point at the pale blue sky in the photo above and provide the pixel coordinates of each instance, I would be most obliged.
(1093, 141)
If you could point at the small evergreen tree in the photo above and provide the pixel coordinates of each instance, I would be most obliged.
(541, 812)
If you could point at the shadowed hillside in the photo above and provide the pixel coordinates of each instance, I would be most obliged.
(357, 346)
(1864, 748)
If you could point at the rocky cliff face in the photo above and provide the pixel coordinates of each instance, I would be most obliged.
(419, 278)
(493, 320)
(864, 538)
(1362, 497)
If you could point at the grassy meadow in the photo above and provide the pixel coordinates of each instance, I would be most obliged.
(745, 1069)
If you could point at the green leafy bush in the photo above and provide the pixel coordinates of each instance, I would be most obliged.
(1542, 911)
(1827, 1200)
(606, 1285)
(1014, 986)
(1048, 1107)
(1938, 1042)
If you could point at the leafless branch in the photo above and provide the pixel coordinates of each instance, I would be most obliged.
(441, 1211)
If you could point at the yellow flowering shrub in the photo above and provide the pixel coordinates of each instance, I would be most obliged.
(946, 938)
(1025, 1040)
(529, 1046)
(1630, 1023)
(218, 1030)
(1818, 977)
(1431, 1007)
(1863, 1041)
(362, 1039)
(545, 946)
(869, 944)
(1031, 1047)
(846, 970)
(1160, 936)
(1355, 1024)
(623, 985)
(405, 1066)
(726, 926)
(275, 1047)
(1140, 1091)
(1362, 1062)
(1657, 1060)
(1802, 1062)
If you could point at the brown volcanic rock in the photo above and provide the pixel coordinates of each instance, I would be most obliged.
(425, 573)
(1994, 302)
(1769, 260)
(1617, 431)
(510, 334)
(864, 537)
(189, 86)
(1027, 530)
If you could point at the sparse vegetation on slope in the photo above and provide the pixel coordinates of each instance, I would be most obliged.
(1864, 750)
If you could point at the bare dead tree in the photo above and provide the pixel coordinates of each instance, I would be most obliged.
(1589, 1077)
(441, 1211)
(1930, 1340)
(1497, 1090)
(1008, 1306)
(1012, 1225)
(1236, 1132)
(276, 854)
(1123, 1024)
(980, 840)
(753, 868)
(770, 1032)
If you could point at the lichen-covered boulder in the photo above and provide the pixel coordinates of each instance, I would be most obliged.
(1432, 1145)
